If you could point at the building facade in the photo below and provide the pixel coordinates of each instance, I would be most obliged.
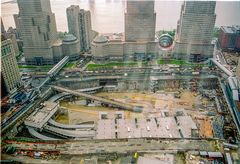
(9, 69)
(38, 30)
(194, 31)
(79, 25)
(70, 47)
(229, 38)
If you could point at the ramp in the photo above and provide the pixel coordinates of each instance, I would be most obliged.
(91, 97)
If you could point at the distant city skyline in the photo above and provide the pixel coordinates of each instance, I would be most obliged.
(105, 12)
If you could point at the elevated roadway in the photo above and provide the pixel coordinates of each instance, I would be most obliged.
(34, 133)
(65, 126)
(70, 133)
(100, 99)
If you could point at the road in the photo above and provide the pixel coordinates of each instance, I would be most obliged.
(137, 77)
(111, 146)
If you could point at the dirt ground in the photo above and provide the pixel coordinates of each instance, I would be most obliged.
(205, 128)
(80, 113)
(153, 102)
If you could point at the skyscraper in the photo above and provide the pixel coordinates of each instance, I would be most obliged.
(38, 31)
(9, 69)
(140, 21)
(79, 24)
(194, 31)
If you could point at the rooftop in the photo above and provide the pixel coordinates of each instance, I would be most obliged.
(114, 36)
(161, 127)
(100, 39)
(231, 29)
(69, 38)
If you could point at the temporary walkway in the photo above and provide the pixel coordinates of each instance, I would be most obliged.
(54, 71)
(58, 66)
(65, 126)
(34, 133)
(100, 99)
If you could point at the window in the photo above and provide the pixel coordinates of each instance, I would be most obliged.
(33, 22)
(39, 30)
(48, 19)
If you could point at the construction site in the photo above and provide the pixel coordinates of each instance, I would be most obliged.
(128, 119)
(123, 108)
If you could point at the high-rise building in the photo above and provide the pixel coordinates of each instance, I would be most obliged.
(79, 25)
(194, 31)
(140, 21)
(38, 30)
(9, 69)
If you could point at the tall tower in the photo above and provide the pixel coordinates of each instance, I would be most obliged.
(194, 31)
(140, 21)
(38, 30)
(79, 24)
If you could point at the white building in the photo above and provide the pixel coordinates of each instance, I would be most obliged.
(9, 68)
